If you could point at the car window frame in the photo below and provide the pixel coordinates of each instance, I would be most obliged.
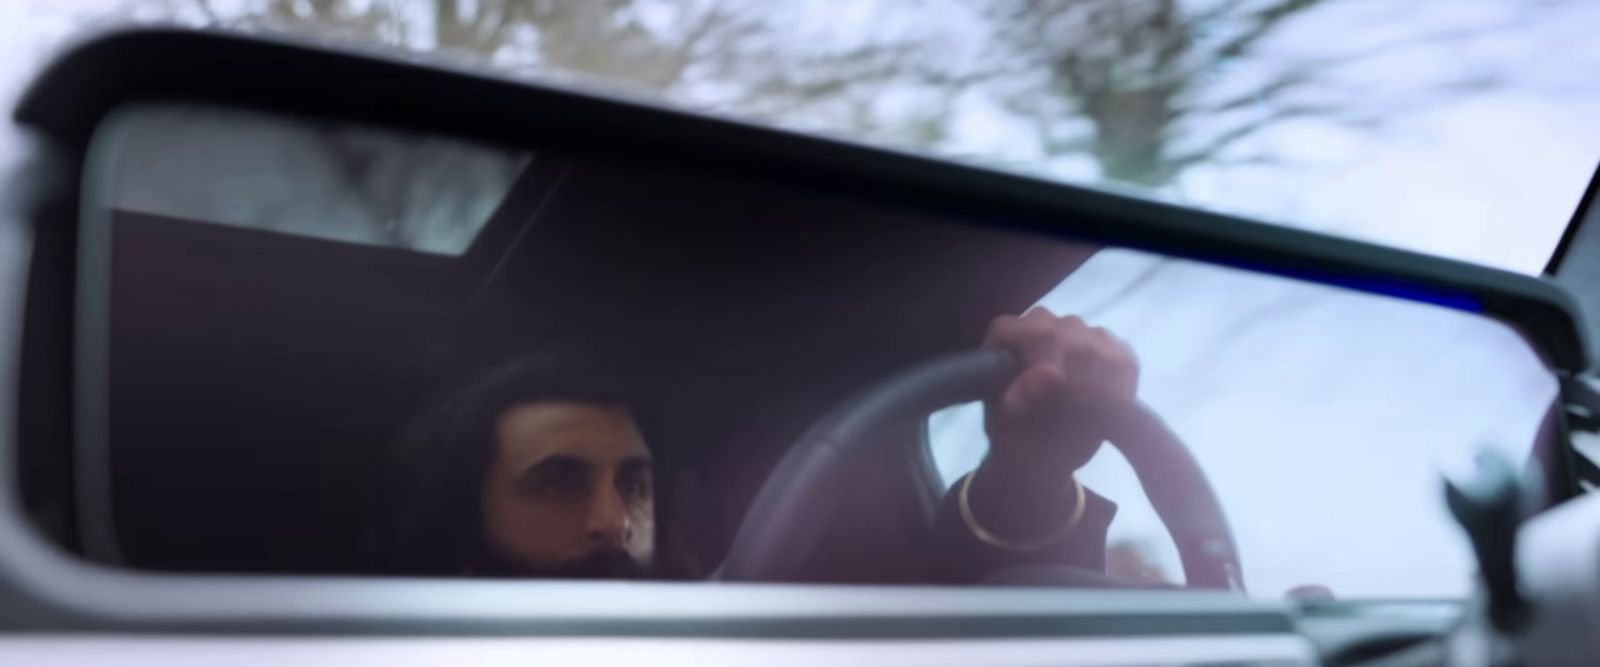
(68, 101)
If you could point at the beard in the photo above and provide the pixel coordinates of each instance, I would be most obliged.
(598, 564)
(603, 564)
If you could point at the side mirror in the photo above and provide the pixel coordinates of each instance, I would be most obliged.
(289, 251)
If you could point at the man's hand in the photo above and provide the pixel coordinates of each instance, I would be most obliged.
(1076, 384)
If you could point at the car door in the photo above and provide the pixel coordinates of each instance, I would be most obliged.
(934, 251)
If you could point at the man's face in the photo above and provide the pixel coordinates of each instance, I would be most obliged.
(569, 492)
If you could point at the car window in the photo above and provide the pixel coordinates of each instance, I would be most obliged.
(1293, 392)
(634, 377)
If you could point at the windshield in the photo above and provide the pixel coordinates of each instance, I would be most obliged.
(630, 375)
(1456, 128)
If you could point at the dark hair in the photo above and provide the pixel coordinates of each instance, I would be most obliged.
(428, 506)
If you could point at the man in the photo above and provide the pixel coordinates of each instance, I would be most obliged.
(538, 472)
(535, 470)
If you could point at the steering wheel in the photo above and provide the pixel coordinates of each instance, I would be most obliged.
(792, 508)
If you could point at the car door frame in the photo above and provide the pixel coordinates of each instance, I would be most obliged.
(43, 587)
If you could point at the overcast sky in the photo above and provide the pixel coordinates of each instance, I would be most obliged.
(1320, 414)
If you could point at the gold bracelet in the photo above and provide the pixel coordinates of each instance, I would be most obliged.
(963, 498)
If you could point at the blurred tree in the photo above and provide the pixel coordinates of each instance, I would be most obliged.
(1138, 71)
(604, 39)
(1145, 89)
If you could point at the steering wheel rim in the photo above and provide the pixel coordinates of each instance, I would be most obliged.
(787, 517)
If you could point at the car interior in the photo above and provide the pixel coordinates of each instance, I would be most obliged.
(776, 301)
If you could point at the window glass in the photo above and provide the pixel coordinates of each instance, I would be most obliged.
(1310, 408)
(340, 183)
(634, 378)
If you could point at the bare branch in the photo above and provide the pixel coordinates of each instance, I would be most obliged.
(1216, 145)
(1218, 12)
(714, 19)
(1439, 38)
(1287, 82)
(1264, 21)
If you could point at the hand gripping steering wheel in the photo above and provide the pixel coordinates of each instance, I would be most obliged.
(792, 509)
